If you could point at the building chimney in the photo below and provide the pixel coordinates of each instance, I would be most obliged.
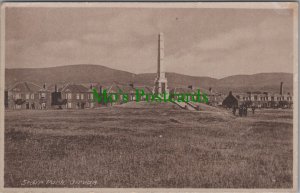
(210, 89)
(91, 86)
(281, 88)
(55, 88)
(132, 85)
(190, 86)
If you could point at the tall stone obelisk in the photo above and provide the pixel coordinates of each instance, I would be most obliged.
(161, 83)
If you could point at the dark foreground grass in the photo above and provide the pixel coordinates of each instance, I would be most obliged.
(148, 147)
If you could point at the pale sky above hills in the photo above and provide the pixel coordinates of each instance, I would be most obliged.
(198, 42)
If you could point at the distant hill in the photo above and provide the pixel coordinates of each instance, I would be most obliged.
(95, 73)
(177, 80)
(262, 82)
(73, 73)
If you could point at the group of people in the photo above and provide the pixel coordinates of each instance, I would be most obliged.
(243, 110)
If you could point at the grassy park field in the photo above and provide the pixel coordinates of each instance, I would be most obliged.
(149, 145)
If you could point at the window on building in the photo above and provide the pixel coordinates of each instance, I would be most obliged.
(68, 96)
(77, 96)
(27, 96)
(92, 96)
(42, 95)
(18, 96)
(32, 96)
(82, 96)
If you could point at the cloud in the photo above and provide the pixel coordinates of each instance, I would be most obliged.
(227, 41)
(247, 50)
(206, 42)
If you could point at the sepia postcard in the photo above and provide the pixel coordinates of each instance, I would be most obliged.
(149, 97)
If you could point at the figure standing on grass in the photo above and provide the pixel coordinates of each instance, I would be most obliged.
(234, 110)
(245, 110)
(241, 111)
(253, 109)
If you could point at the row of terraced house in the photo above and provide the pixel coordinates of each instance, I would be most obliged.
(260, 99)
(28, 95)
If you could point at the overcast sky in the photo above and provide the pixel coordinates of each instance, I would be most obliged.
(199, 42)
